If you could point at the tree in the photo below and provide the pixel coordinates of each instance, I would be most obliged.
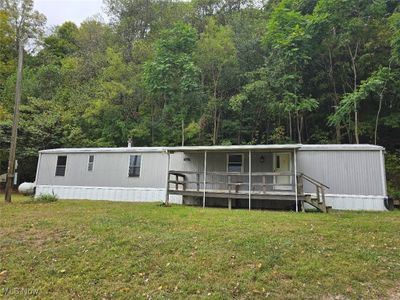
(61, 43)
(374, 85)
(354, 26)
(172, 76)
(28, 24)
(7, 49)
(207, 71)
(278, 87)
(395, 39)
(215, 52)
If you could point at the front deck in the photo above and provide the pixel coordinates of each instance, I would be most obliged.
(264, 186)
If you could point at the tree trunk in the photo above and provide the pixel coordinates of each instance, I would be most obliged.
(183, 132)
(377, 117)
(14, 131)
(218, 124)
(353, 57)
(239, 138)
(215, 129)
(298, 125)
(335, 96)
(215, 125)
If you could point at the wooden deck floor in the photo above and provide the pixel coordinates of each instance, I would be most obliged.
(269, 195)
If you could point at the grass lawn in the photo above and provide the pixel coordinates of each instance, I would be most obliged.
(97, 249)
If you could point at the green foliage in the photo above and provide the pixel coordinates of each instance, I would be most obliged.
(393, 174)
(395, 40)
(172, 76)
(172, 72)
(374, 85)
(46, 198)
(62, 43)
(7, 48)
(205, 72)
(216, 56)
(278, 136)
(27, 24)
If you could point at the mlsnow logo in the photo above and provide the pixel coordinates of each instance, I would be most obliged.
(22, 291)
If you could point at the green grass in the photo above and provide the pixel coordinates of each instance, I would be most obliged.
(96, 249)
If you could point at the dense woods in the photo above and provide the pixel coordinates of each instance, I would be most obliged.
(208, 72)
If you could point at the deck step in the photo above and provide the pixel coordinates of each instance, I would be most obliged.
(316, 203)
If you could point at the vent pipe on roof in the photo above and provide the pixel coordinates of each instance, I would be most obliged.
(130, 143)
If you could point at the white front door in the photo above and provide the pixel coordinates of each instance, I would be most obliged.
(282, 164)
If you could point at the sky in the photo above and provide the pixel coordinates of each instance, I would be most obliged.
(59, 11)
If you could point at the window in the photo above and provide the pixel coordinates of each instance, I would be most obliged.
(134, 165)
(61, 165)
(235, 163)
(91, 162)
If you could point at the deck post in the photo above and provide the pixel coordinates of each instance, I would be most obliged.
(264, 182)
(204, 179)
(249, 179)
(229, 192)
(167, 184)
(295, 179)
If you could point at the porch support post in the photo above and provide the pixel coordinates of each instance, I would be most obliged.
(167, 183)
(205, 179)
(295, 178)
(249, 179)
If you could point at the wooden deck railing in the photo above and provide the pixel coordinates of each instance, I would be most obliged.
(261, 182)
(238, 183)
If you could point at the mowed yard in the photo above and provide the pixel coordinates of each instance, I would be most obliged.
(104, 250)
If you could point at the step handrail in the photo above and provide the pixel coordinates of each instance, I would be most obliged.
(312, 180)
(320, 191)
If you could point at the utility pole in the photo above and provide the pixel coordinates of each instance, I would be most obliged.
(14, 131)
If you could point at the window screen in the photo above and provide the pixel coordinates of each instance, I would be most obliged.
(61, 165)
(134, 165)
(91, 162)
(235, 162)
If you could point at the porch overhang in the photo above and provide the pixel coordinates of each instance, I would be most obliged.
(235, 148)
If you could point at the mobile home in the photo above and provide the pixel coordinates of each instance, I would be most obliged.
(242, 176)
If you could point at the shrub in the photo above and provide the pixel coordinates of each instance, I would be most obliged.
(46, 198)
(393, 173)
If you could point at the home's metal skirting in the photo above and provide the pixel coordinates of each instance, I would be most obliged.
(108, 193)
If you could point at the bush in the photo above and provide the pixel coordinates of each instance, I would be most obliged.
(393, 174)
(46, 198)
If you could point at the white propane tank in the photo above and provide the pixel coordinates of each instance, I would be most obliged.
(27, 188)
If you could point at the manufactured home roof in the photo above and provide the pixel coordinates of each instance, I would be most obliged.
(343, 147)
(233, 148)
(327, 147)
(105, 150)
(172, 149)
